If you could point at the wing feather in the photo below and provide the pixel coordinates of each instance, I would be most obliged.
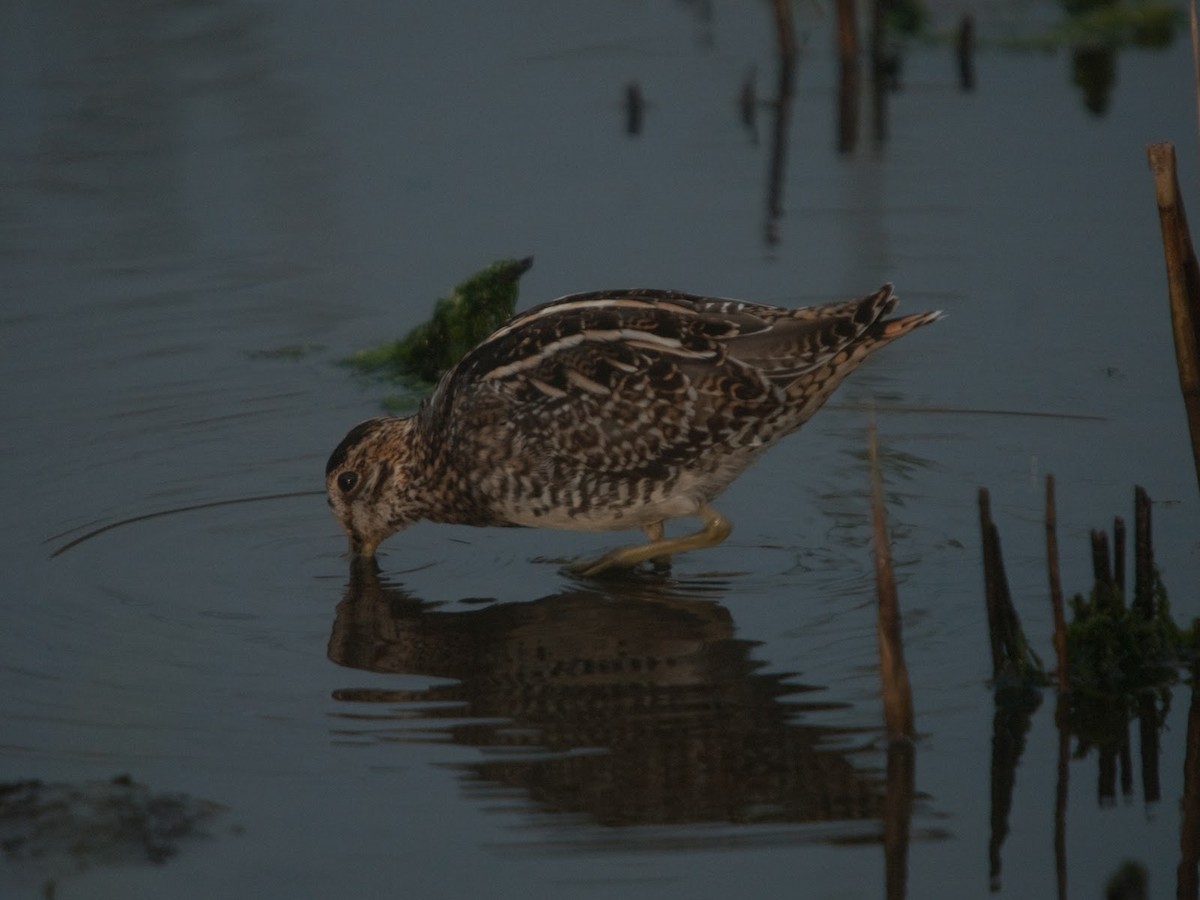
(631, 379)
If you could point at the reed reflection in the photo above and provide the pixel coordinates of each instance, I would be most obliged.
(678, 721)
(1087, 724)
(1188, 874)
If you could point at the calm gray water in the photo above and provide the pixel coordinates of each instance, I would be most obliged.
(191, 187)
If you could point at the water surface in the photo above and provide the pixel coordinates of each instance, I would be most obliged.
(207, 205)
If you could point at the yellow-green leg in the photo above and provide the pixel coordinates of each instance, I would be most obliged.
(716, 528)
(654, 532)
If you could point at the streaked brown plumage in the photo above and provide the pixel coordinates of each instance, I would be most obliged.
(603, 411)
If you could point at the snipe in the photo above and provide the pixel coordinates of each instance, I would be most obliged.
(604, 411)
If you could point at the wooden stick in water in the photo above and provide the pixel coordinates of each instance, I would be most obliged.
(1101, 569)
(1183, 284)
(1056, 594)
(1119, 554)
(1143, 554)
(897, 690)
(993, 578)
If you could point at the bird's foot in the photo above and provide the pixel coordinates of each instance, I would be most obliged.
(659, 550)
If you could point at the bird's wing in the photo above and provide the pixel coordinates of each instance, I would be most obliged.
(628, 377)
(649, 374)
(782, 343)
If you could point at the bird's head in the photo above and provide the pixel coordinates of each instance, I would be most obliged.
(367, 481)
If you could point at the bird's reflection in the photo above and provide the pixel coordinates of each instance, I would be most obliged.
(632, 705)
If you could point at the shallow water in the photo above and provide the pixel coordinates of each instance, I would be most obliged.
(207, 205)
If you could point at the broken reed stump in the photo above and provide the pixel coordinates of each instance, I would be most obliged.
(897, 693)
(1101, 564)
(1119, 554)
(1056, 594)
(1109, 572)
(1183, 284)
(995, 584)
(893, 672)
(1014, 664)
(1143, 554)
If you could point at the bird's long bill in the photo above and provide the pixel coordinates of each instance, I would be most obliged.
(362, 547)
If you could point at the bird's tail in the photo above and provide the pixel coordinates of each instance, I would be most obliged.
(891, 329)
(810, 391)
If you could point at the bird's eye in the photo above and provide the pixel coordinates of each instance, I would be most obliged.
(346, 481)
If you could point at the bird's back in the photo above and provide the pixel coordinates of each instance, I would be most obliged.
(614, 343)
(607, 400)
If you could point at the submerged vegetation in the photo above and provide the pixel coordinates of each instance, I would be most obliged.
(475, 308)
(1114, 647)
(61, 828)
(1111, 646)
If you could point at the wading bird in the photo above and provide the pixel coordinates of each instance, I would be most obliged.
(604, 411)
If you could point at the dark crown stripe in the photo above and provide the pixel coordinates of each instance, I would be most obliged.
(354, 437)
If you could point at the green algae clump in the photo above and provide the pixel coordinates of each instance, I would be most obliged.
(475, 308)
